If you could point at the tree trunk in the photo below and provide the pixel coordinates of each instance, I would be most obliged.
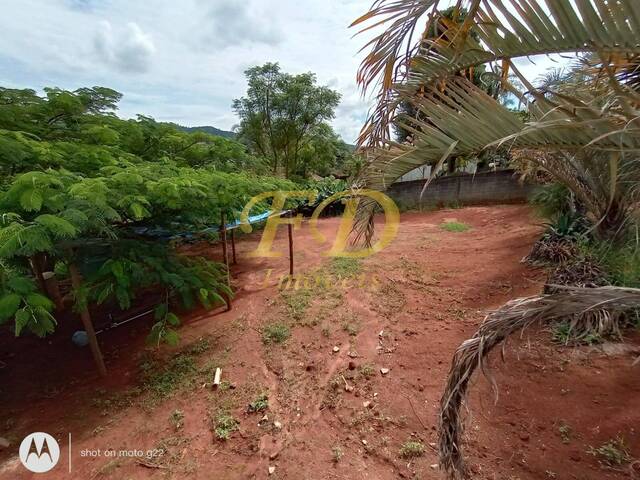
(612, 225)
(451, 164)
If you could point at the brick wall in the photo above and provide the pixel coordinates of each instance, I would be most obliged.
(487, 187)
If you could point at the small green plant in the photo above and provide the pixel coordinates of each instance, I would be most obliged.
(260, 403)
(455, 226)
(198, 347)
(275, 333)
(367, 370)
(336, 453)
(177, 419)
(411, 449)
(351, 328)
(561, 333)
(565, 433)
(612, 453)
(225, 425)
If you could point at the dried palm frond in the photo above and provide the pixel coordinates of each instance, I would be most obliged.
(581, 271)
(590, 311)
(551, 249)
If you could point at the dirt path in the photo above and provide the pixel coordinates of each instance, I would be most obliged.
(405, 309)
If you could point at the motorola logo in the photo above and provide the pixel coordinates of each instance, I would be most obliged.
(39, 452)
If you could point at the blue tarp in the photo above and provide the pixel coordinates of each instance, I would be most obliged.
(159, 232)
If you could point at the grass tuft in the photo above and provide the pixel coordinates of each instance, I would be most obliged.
(455, 226)
(275, 333)
(411, 449)
(336, 453)
(260, 403)
(612, 453)
(164, 382)
(177, 419)
(367, 370)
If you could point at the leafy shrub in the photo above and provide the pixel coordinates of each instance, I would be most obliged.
(19, 299)
(552, 200)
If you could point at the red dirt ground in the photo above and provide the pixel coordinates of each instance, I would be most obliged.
(420, 298)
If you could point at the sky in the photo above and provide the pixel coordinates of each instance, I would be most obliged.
(183, 60)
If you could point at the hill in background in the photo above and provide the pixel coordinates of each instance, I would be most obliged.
(208, 129)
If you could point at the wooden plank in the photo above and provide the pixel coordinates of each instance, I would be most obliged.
(76, 282)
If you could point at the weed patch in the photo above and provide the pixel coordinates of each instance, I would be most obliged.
(225, 425)
(260, 403)
(367, 370)
(561, 333)
(296, 302)
(275, 333)
(345, 266)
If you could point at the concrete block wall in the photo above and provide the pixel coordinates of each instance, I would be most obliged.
(466, 189)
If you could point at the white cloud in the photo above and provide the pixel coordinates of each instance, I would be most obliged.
(130, 50)
(237, 22)
(183, 60)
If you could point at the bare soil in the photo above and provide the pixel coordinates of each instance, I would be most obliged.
(331, 413)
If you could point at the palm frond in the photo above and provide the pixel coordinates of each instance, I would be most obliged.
(464, 113)
(497, 30)
(598, 311)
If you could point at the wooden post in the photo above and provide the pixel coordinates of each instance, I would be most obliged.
(233, 246)
(76, 282)
(225, 255)
(223, 230)
(290, 230)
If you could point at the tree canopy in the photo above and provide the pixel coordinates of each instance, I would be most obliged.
(82, 187)
(283, 118)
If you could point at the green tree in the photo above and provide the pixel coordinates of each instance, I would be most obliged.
(81, 187)
(281, 114)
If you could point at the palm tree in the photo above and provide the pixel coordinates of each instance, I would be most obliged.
(457, 118)
(583, 129)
